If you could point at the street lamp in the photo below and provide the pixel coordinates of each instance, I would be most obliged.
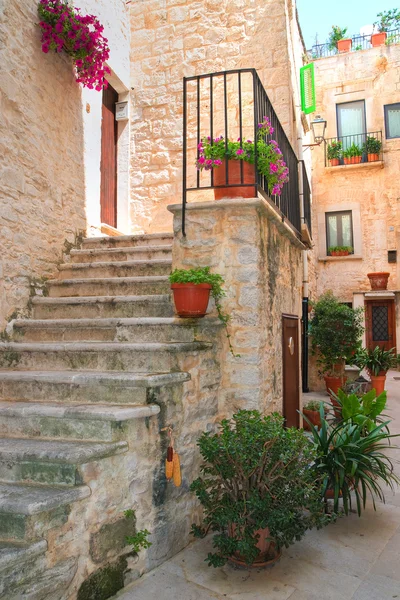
(318, 126)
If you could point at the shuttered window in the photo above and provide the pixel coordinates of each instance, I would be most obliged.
(307, 88)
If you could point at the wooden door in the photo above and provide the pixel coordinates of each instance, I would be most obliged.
(108, 166)
(290, 369)
(380, 324)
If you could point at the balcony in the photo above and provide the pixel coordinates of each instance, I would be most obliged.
(354, 151)
(359, 42)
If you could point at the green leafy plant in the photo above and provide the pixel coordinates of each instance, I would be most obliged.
(139, 540)
(363, 411)
(336, 34)
(377, 360)
(387, 20)
(352, 151)
(312, 405)
(256, 474)
(334, 150)
(335, 331)
(203, 275)
(343, 249)
(372, 145)
(350, 461)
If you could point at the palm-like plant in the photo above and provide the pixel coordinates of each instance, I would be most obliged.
(351, 461)
(377, 360)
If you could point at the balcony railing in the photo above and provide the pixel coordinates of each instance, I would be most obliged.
(354, 149)
(231, 104)
(306, 198)
(359, 42)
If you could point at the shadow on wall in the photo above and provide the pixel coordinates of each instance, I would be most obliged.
(42, 199)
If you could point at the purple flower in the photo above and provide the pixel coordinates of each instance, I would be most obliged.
(240, 151)
(273, 168)
(217, 162)
(201, 160)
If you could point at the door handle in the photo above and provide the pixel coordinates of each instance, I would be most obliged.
(291, 346)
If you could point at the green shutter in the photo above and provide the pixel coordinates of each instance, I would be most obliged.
(307, 87)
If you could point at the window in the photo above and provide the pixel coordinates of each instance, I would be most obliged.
(351, 123)
(392, 120)
(339, 229)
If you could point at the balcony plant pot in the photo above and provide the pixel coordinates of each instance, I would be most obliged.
(334, 162)
(219, 179)
(268, 554)
(356, 160)
(191, 300)
(378, 39)
(378, 382)
(344, 45)
(373, 157)
(378, 280)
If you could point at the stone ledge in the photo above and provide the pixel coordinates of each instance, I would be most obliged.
(339, 258)
(366, 165)
(245, 203)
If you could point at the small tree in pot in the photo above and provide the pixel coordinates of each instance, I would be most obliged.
(257, 488)
(337, 39)
(335, 331)
(372, 148)
(377, 362)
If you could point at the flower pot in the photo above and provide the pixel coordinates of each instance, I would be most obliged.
(334, 383)
(378, 39)
(357, 160)
(313, 416)
(191, 300)
(335, 253)
(378, 382)
(347, 160)
(267, 551)
(373, 157)
(334, 162)
(344, 45)
(219, 174)
(379, 280)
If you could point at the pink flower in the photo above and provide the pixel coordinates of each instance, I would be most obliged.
(273, 168)
(201, 160)
(217, 162)
(240, 151)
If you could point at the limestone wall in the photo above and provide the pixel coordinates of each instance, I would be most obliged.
(45, 158)
(372, 191)
(171, 39)
(260, 260)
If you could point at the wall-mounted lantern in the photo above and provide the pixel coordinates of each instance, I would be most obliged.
(318, 126)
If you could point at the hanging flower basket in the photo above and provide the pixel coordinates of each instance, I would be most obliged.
(80, 36)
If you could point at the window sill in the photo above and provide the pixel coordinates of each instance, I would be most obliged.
(377, 164)
(340, 258)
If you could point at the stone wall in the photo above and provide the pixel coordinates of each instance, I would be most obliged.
(45, 157)
(260, 259)
(171, 39)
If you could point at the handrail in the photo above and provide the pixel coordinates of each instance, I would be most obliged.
(359, 42)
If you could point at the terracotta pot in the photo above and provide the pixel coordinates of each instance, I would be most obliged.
(378, 39)
(378, 382)
(268, 553)
(234, 177)
(347, 160)
(357, 160)
(334, 383)
(373, 157)
(334, 162)
(335, 253)
(378, 280)
(191, 300)
(344, 45)
(313, 416)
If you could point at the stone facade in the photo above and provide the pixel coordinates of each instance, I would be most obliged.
(50, 160)
(171, 39)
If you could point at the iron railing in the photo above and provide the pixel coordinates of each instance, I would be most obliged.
(232, 104)
(306, 192)
(359, 42)
(369, 145)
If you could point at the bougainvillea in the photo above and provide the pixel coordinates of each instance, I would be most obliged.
(80, 36)
(270, 162)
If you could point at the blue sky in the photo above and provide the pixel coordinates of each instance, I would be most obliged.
(353, 14)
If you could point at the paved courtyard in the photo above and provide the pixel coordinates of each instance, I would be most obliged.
(355, 558)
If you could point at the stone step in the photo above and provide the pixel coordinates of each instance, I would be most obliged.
(96, 387)
(50, 462)
(123, 241)
(19, 562)
(145, 329)
(38, 582)
(51, 420)
(27, 512)
(121, 254)
(131, 268)
(159, 305)
(119, 286)
(102, 356)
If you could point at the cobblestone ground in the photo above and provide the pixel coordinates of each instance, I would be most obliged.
(356, 558)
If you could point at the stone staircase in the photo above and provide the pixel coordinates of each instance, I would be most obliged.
(79, 384)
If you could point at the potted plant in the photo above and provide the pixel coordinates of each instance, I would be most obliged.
(353, 155)
(219, 155)
(387, 20)
(340, 250)
(353, 462)
(377, 362)
(335, 331)
(334, 152)
(378, 280)
(311, 411)
(258, 488)
(337, 39)
(372, 148)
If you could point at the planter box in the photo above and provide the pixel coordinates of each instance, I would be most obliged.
(234, 176)
(378, 39)
(344, 45)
